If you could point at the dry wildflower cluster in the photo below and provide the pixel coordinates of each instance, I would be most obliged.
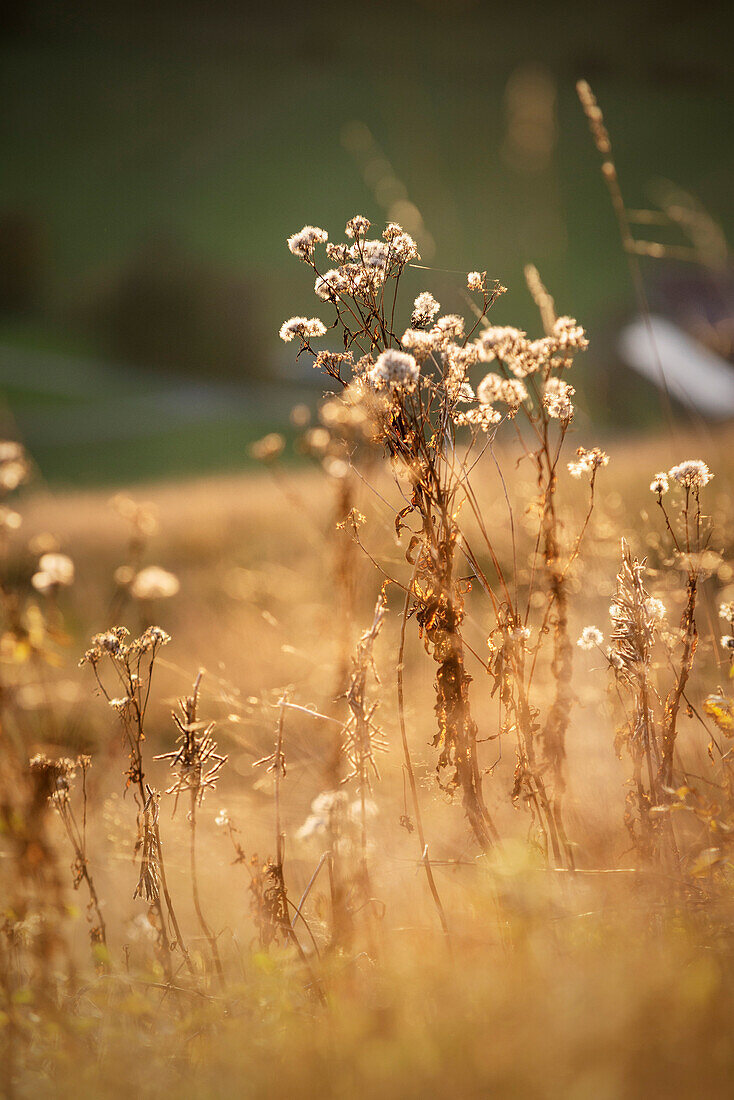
(422, 388)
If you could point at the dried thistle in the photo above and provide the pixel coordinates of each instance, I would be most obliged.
(195, 761)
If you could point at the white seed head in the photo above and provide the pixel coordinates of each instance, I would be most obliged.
(305, 327)
(691, 474)
(557, 396)
(590, 638)
(425, 309)
(303, 243)
(588, 462)
(357, 226)
(154, 583)
(54, 570)
(395, 370)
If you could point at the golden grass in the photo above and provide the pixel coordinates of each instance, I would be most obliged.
(554, 984)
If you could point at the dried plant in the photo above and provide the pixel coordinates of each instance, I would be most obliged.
(130, 665)
(690, 476)
(196, 762)
(416, 395)
(268, 901)
(651, 732)
(362, 737)
(634, 628)
(149, 879)
(269, 883)
(57, 777)
(197, 765)
(345, 824)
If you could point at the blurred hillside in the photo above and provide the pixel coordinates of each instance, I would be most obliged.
(154, 159)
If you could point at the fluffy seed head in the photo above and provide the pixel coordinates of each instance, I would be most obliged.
(305, 327)
(396, 370)
(425, 309)
(483, 417)
(655, 609)
(568, 335)
(557, 396)
(588, 462)
(54, 571)
(418, 342)
(154, 583)
(692, 474)
(357, 226)
(726, 612)
(591, 637)
(303, 243)
(332, 285)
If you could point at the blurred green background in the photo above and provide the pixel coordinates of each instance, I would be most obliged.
(153, 159)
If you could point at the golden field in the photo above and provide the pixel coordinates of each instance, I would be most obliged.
(611, 980)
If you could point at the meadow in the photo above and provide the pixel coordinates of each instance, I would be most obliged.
(612, 979)
(399, 764)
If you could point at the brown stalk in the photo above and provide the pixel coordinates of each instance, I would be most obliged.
(411, 774)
